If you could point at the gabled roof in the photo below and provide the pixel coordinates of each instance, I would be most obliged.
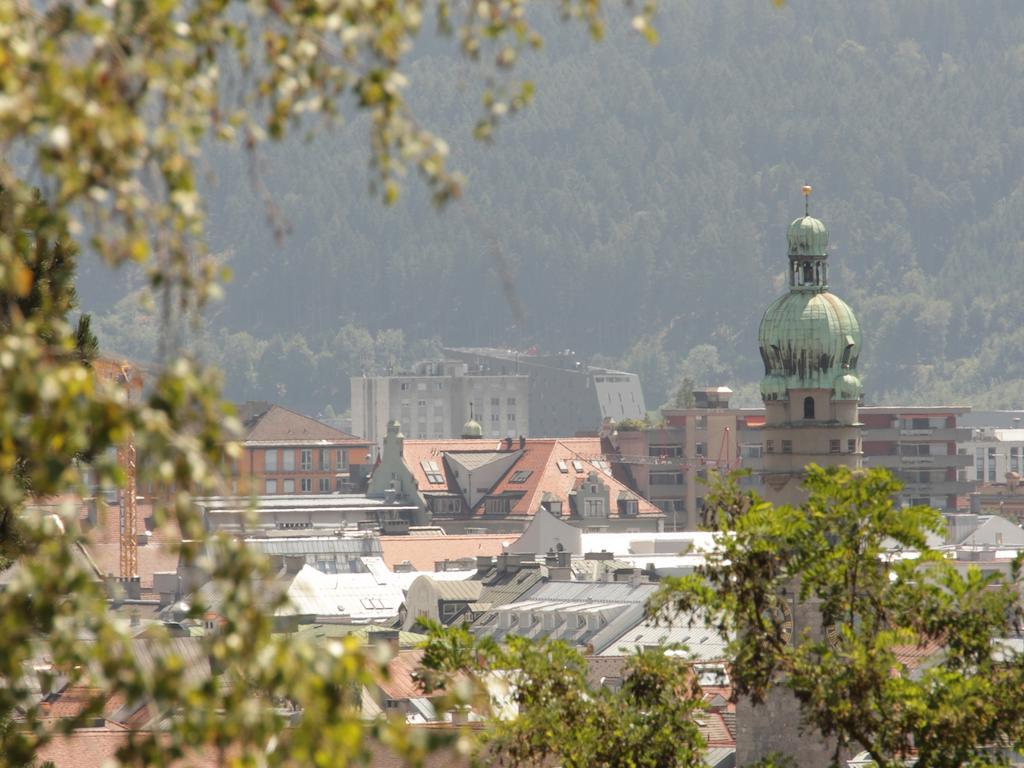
(280, 425)
(536, 470)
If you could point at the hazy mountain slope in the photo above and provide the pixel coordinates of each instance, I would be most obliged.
(639, 208)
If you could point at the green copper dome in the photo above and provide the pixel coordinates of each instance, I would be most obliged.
(472, 429)
(809, 338)
(807, 237)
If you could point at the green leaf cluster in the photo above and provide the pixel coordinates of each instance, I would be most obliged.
(888, 646)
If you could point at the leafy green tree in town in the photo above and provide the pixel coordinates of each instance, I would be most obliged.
(960, 707)
(104, 108)
(542, 710)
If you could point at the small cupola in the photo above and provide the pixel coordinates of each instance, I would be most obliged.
(808, 251)
(472, 430)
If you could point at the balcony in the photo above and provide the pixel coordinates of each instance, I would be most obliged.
(918, 462)
(938, 488)
(938, 434)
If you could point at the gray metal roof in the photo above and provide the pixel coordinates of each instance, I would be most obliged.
(701, 643)
(720, 757)
(467, 590)
(295, 502)
(315, 545)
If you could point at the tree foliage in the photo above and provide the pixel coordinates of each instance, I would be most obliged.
(105, 111)
(959, 707)
(543, 711)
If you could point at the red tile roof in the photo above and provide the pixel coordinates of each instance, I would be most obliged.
(424, 551)
(540, 456)
(278, 424)
(96, 747)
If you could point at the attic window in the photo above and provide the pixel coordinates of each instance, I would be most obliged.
(577, 465)
(432, 471)
(520, 476)
(563, 467)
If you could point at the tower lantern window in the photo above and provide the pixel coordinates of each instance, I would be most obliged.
(808, 273)
(808, 407)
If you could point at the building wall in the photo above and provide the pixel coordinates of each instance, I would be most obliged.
(437, 406)
(566, 396)
(314, 468)
(924, 448)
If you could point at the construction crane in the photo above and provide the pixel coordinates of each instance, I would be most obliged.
(126, 376)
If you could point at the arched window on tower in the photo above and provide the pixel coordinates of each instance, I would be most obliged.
(808, 273)
(808, 407)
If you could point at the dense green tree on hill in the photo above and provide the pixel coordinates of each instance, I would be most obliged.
(651, 189)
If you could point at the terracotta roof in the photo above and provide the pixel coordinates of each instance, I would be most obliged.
(715, 730)
(539, 456)
(95, 747)
(280, 424)
(400, 683)
(424, 551)
(914, 656)
(74, 700)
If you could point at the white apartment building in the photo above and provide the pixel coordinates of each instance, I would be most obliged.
(436, 399)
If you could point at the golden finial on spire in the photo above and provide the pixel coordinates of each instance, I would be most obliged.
(806, 189)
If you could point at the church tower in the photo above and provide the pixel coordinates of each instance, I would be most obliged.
(810, 341)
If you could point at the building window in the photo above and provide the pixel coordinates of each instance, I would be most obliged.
(769, 446)
(577, 465)
(701, 449)
(787, 446)
(991, 465)
(665, 451)
(808, 407)
(421, 403)
(498, 505)
(288, 461)
(851, 446)
(554, 507)
(628, 507)
(432, 470)
(307, 484)
(510, 401)
(666, 478)
(270, 486)
(495, 402)
(511, 418)
(306, 459)
(339, 484)
(288, 486)
(270, 460)
(979, 464)
(833, 446)
(495, 418)
(520, 476)
(341, 460)
(325, 459)
(1014, 459)
(593, 508)
(325, 485)
(404, 386)
(562, 466)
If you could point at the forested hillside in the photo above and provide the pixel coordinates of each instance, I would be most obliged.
(636, 212)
